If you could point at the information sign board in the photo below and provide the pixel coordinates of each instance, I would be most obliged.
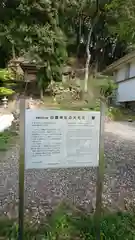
(61, 139)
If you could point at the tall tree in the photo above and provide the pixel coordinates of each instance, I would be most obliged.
(30, 28)
(43, 30)
(77, 19)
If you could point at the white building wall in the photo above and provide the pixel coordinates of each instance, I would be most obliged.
(132, 69)
(126, 88)
(126, 91)
(120, 74)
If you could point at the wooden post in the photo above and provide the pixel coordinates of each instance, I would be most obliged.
(21, 169)
(100, 172)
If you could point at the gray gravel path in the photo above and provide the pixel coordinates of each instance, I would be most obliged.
(46, 188)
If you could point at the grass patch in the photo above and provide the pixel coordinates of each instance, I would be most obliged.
(6, 139)
(113, 113)
(74, 226)
(119, 114)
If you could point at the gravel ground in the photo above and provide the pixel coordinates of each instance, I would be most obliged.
(45, 189)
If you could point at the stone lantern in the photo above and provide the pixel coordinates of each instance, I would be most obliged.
(5, 102)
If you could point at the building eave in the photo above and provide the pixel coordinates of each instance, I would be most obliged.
(116, 65)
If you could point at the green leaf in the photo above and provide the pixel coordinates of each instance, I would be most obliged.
(6, 91)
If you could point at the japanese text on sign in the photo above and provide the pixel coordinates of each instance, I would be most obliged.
(61, 139)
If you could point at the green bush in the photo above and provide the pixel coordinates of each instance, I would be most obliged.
(115, 113)
(6, 138)
(6, 91)
(104, 86)
(107, 86)
(5, 86)
(96, 106)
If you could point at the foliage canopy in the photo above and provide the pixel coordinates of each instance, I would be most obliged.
(48, 31)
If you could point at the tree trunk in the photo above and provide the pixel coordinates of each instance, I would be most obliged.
(13, 51)
(88, 52)
(86, 73)
(87, 61)
(41, 93)
(79, 35)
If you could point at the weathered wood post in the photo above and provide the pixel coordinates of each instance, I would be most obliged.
(100, 172)
(21, 169)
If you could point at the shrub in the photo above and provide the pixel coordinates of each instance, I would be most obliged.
(5, 86)
(65, 225)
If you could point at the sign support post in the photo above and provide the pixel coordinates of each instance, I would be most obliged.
(21, 169)
(100, 172)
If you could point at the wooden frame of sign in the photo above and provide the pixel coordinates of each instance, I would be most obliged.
(47, 147)
(21, 169)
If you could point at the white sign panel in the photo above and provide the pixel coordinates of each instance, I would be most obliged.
(61, 139)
